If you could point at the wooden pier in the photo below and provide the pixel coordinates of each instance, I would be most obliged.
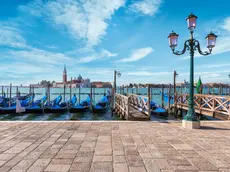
(212, 105)
(132, 107)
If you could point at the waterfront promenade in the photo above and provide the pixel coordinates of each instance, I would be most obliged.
(119, 146)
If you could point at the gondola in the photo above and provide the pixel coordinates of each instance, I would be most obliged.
(102, 105)
(55, 106)
(83, 106)
(37, 106)
(12, 108)
(8, 110)
(160, 112)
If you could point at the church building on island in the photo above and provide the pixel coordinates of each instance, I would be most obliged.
(74, 83)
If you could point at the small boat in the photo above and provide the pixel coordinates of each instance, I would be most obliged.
(160, 111)
(83, 106)
(7, 110)
(56, 106)
(102, 105)
(12, 108)
(37, 106)
(4, 102)
(153, 105)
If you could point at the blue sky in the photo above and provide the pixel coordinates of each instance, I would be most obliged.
(94, 37)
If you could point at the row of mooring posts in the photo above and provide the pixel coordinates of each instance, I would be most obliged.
(9, 92)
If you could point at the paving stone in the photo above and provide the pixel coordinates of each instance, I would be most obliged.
(182, 147)
(119, 159)
(61, 161)
(57, 168)
(103, 158)
(7, 156)
(23, 165)
(163, 164)
(36, 169)
(137, 169)
(118, 152)
(120, 167)
(101, 167)
(84, 159)
(151, 165)
(80, 167)
(184, 168)
(65, 156)
(204, 166)
(42, 162)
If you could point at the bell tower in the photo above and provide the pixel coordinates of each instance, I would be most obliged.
(64, 75)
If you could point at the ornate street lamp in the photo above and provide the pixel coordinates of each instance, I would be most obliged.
(119, 74)
(191, 45)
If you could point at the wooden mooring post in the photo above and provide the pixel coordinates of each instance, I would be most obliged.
(94, 92)
(70, 91)
(79, 94)
(17, 91)
(91, 98)
(10, 95)
(149, 101)
(64, 92)
(48, 92)
(169, 95)
(2, 91)
(30, 89)
(162, 95)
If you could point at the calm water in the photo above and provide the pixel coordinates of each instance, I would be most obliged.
(59, 116)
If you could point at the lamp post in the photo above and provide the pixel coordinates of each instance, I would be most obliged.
(175, 74)
(191, 120)
(116, 73)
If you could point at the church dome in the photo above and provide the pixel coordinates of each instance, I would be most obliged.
(79, 77)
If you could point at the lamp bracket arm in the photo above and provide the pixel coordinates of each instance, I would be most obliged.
(197, 47)
(186, 47)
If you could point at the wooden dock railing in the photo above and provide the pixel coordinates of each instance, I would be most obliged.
(122, 105)
(211, 105)
(132, 107)
(140, 102)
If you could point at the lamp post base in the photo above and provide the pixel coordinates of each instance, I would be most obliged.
(190, 124)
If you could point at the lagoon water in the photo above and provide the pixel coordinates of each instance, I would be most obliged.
(97, 94)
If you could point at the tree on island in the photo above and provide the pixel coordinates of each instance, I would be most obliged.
(45, 83)
(130, 85)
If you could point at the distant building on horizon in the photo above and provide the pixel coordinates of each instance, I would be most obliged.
(100, 84)
(74, 83)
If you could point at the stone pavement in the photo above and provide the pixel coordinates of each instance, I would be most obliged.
(113, 146)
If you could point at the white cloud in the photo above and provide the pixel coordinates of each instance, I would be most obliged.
(205, 73)
(146, 73)
(40, 56)
(226, 25)
(138, 54)
(146, 7)
(86, 20)
(214, 65)
(11, 36)
(108, 54)
(104, 54)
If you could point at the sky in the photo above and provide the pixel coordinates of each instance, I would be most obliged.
(95, 37)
